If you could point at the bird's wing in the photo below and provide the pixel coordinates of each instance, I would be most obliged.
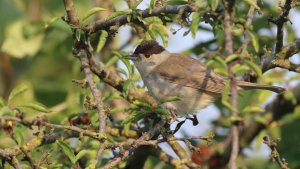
(189, 72)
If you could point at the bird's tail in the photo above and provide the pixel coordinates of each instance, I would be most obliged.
(247, 85)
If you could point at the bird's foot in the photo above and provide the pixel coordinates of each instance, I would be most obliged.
(194, 120)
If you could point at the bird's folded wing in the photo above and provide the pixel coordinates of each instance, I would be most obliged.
(189, 72)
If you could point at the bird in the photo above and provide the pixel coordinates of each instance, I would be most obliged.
(168, 74)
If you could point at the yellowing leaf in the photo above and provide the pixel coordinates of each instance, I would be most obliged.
(16, 45)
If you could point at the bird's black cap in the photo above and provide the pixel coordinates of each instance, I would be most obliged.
(148, 48)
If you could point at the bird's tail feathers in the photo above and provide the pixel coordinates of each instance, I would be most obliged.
(248, 85)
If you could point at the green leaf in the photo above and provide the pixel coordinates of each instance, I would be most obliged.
(231, 58)
(253, 3)
(152, 4)
(78, 34)
(18, 136)
(102, 40)
(35, 106)
(177, 2)
(162, 31)
(142, 104)
(195, 24)
(136, 4)
(255, 67)
(67, 150)
(235, 118)
(259, 139)
(161, 111)
(92, 164)
(120, 70)
(170, 99)
(19, 46)
(126, 87)
(253, 109)
(221, 61)
(126, 62)
(17, 91)
(214, 4)
(51, 21)
(6, 111)
(254, 41)
(80, 154)
(92, 12)
(129, 67)
(2, 102)
(225, 97)
(289, 95)
(119, 13)
(261, 119)
(128, 18)
(239, 69)
(112, 61)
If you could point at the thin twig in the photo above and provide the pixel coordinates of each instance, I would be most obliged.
(280, 23)
(246, 26)
(233, 85)
(228, 27)
(71, 13)
(40, 122)
(16, 163)
(281, 59)
(274, 154)
(26, 154)
(121, 20)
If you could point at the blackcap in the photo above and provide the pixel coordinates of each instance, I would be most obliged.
(168, 74)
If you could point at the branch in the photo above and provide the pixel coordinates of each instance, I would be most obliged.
(281, 59)
(71, 13)
(83, 55)
(145, 139)
(16, 163)
(121, 20)
(289, 50)
(41, 122)
(280, 22)
(14, 151)
(246, 26)
(274, 154)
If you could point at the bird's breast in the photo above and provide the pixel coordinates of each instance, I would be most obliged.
(191, 99)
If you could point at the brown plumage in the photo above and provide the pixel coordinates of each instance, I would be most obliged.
(169, 74)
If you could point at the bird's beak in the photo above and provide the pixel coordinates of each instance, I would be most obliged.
(132, 57)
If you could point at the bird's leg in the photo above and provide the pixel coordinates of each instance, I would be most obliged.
(178, 126)
(194, 120)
